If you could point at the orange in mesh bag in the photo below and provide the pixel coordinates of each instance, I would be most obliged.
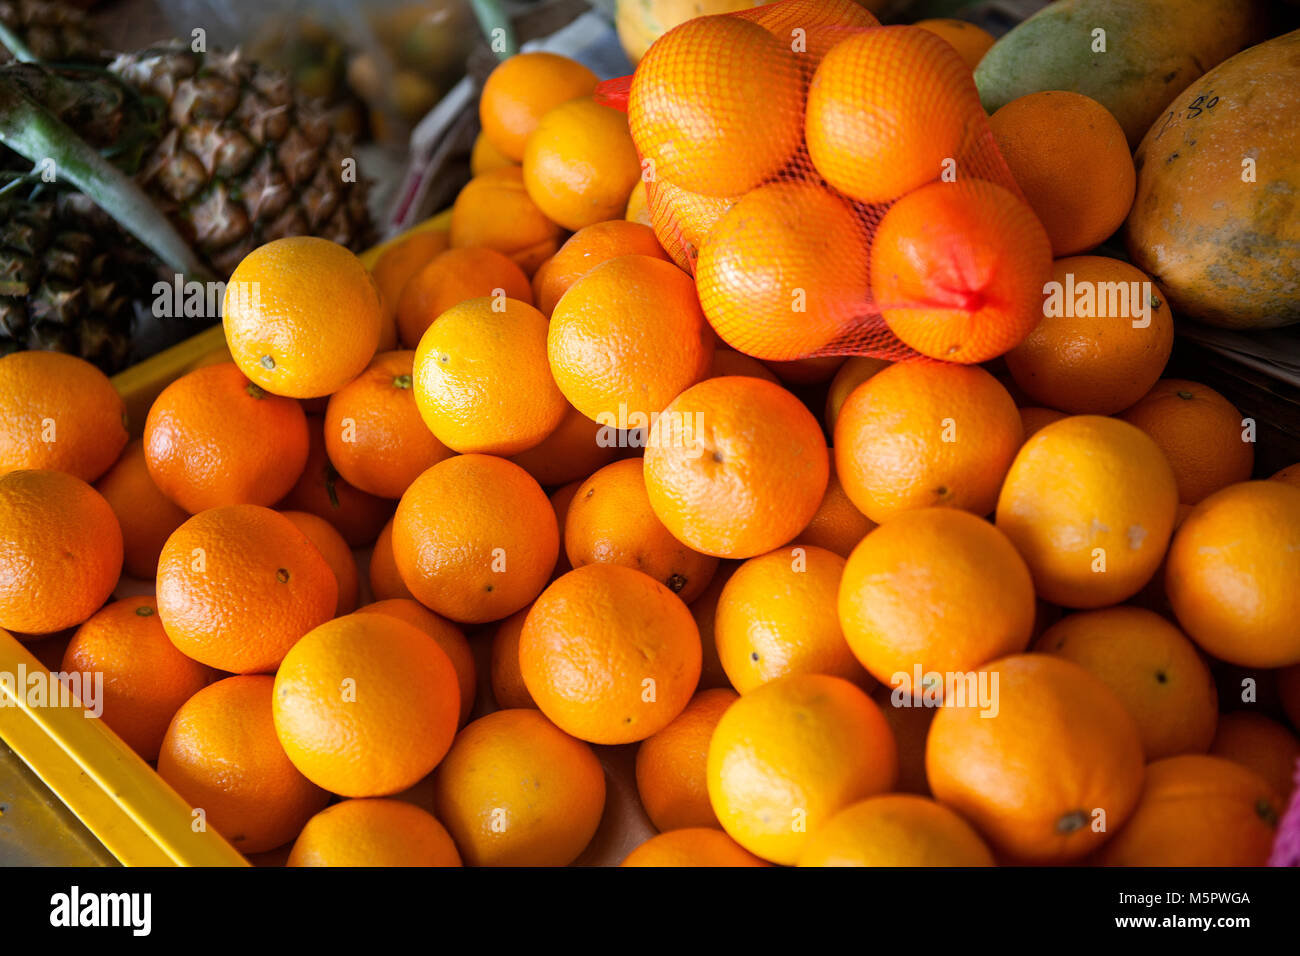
(833, 186)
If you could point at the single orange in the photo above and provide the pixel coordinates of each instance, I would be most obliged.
(58, 412)
(787, 757)
(222, 756)
(920, 435)
(484, 157)
(848, 377)
(374, 434)
(1089, 503)
(322, 491)
(837, 525)
(395, 267)
(957, 270)
(808, 371)
(60, 551)
(521, 90)
(515, 790)
(302, 316)
(575, 449)
(970, 42)
(1259, 744)
(716, 105)
(366, 705)
(731, 362)
(1152, 668)
(1232, 570)
(488, 556)
(146, 515)
(385, 581)
(1034, 419)
(508, 688)
(1290, 474)
(214, 438)
(1198, 811)
(586, 249)
(239, 585)
(373, 832)
(627, 338)
(561, 498)
(1201, 433)
(146, 679)
(914, 587)
(482, 382)
(609, 654)
(736, 466)
(447, 635)
(671, 765)
(691, 847)
(909, 716)
(448, 280)
(1102, 342)
(683, 220)
(1070, 158)
(336, 553)
(704, 609)
(896, 830)
(1056, 770)
(494, 211)
(638, 207)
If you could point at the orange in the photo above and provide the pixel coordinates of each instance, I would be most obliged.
(447, 636)
(322, 491)
(704, 609)
(336, 553)
(896, 830)
(776, 617)
(1070, 158)
(736, 466)
(914, 589)
(146, 515)
(671, 764)
(385, 582)
(586, 249)
(239, 585)
(1053, 774)
(715, 105)
(302, 316)
(609, 654)
(1201, 433)
(576, 448)
(561, 498)
(808, 371)
(60, 551)
(762, 272)
(521, 90)
(1034, 419)
(494, 211)
(222, 756)
(484, 157)
(1089, 503)
(1153, 669)
(373, 832)
(886, 108)
(1290, 474)
(580, 163)
(214, 438)
(517, 791)
(683, 220)
(146, 679)
(1261, 745)
(58, 412)
(374, 435)
(448, 280)
(395, 267)
(920, 435)
(957, 270)
(482, 380)
(627, 338)
(610, 522)
(691, 847)
(366, 705)
(848, 377)
(970, 42)
(909, 718)
(638, 208)
(837, 525)
(508, 688)
(787, 757)
(1232, 570)
(730, 362)
(1102, 342)
(488, 556)
(1198, 811)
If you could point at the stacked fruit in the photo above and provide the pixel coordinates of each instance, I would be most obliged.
(981, 623)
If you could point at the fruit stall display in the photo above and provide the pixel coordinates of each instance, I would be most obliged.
(780, 456)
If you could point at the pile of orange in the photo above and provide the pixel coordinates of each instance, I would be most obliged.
(452, 530)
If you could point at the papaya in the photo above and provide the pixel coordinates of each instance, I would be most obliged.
(1216, 218)
(1132, 56)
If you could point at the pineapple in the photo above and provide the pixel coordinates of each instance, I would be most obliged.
(54, 32)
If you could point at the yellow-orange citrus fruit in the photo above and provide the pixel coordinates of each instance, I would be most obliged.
(146, 515)
(484, 157)
(395, 267)
(586, 249)
(575, 449)
(837, 525)
(671, 764)
(970, 42)
(521, 90)
(638, 208)
(336, 553)
(682, 220)
(704, 609)
(451, 278)
(494, 211)
(896, 830)
(850, 375)
(508, 688)
(1259, 744)
(731, 362)
(373, 832)
(691, 847)
(385, 581)
(322, 491)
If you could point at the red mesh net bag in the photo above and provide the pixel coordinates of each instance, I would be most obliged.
(833, 186)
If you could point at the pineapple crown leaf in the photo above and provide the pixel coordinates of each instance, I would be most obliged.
(37, 134)
(12, 42)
